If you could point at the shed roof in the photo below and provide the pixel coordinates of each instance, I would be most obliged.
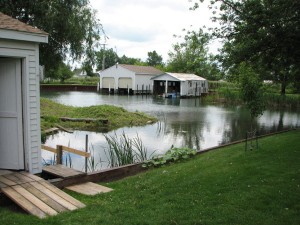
(9, 23)
(182, 76)
(142, 69)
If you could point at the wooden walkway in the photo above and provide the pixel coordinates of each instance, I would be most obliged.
(35, 195)
(62, 171)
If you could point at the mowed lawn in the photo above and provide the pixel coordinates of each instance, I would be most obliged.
(224, 186)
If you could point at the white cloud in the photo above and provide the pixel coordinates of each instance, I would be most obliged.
(136, 27)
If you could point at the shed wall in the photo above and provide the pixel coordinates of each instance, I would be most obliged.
(28, 52)
(116, 72)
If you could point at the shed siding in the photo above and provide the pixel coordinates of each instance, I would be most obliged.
(144, 80)
(28, 52)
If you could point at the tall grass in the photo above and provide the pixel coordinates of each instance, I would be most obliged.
(123, 151)
(92, 165)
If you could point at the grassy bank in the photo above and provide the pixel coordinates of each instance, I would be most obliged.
(226, 186)
(117, 116)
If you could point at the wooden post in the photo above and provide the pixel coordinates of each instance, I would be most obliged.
(59, 154)
(86, 150)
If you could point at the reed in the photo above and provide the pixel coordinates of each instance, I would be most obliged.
(123, 151)
(92, 165)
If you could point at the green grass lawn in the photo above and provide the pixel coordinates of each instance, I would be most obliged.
(225, 186)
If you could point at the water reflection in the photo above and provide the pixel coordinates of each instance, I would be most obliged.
(182, 122)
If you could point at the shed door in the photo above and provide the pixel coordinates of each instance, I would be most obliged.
(125, 83)
(11, 132)
(108, 82)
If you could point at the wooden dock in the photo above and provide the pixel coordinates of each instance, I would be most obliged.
(35, 195)
(62, 171)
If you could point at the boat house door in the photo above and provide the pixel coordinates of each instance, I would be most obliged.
(11, 124)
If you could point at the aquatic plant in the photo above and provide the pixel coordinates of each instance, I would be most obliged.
(172, 155)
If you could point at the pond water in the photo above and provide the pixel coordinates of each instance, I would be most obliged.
(182, 122)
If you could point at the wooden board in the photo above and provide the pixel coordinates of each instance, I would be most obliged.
(51, 130)
(36, 196)
(89, 188)
(3, 172)
(62, 171)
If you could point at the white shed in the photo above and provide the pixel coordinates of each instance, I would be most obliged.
(128, 79)
(179, 85)
(20, 135)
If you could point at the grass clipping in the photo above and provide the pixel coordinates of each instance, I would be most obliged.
(117, 117)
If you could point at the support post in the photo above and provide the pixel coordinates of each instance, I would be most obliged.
(59, 154)
(86, 150)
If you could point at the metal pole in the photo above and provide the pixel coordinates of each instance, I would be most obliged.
(86, 150)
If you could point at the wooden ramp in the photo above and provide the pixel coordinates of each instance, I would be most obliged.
(89, 188)
(36, 196)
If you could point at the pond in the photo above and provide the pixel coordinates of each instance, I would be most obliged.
(182, 122)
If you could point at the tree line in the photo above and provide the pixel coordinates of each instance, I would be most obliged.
(261, 36)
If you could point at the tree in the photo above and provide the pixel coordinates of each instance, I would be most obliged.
(131, 61)
(154, 59)
(251, 89)
(111, 58)
(72, 26)
(191, 56)
(64, 72)
(263, 33)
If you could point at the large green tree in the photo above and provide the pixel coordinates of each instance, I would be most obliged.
(106, 58)
(191, 56)
(263, 33)
(154, 59)
(131, 61)
(72, 26)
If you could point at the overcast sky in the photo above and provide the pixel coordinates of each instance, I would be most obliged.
(136, 27)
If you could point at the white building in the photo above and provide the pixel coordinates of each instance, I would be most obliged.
(179, 85)
(128, 79)
(20, 135)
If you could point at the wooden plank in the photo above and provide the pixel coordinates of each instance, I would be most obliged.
(51, 130)
(3, 172)
(62, 171)
(54, 195)
(34, 200)
(67, 149)
(2, 185)
(89, 188)
(6, 181)
(99, 187)
(23, 202)
(64, 129)
(33, 177)
(13, 178)
(75, 151)
(63, 194)
(23, 177)
(50, 149)
(45, 198)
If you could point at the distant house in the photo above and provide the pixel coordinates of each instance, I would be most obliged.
(179, 85)
(128, 79)
(20, 135)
